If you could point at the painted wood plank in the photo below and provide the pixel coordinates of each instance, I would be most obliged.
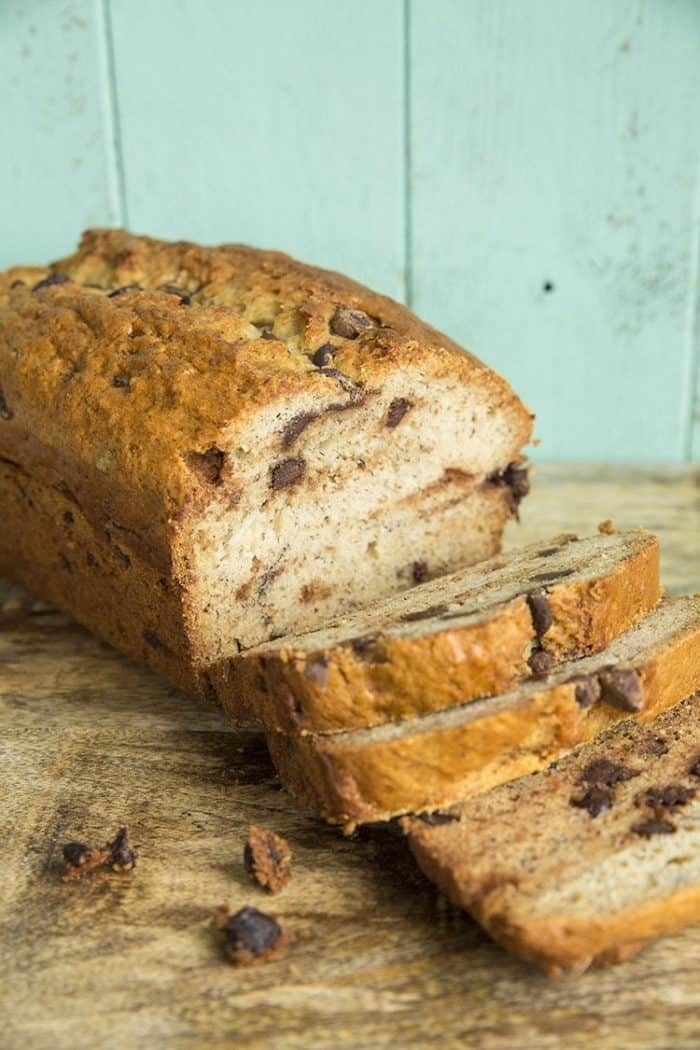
(274, 123)
(56, 175)
(555, 148)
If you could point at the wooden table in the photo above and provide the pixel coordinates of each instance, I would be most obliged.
(379, 958)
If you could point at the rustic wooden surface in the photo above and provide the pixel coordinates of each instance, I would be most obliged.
(90, 740)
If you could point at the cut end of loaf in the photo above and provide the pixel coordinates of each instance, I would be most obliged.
(335, 497)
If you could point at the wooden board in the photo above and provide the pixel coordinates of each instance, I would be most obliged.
(90, 740)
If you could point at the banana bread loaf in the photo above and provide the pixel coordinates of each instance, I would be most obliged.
(203, 448)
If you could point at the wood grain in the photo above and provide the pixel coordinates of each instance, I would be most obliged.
(555, 212)
(274, 123)
(57, 172)
(89, 740)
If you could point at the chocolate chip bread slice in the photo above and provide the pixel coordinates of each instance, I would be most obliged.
(202, 448)
(470, 634)
(426, 763)
(586, 861)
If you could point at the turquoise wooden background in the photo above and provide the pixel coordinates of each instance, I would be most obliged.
(525, 173)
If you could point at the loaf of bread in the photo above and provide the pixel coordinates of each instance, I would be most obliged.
(469, 634)
(586, 861)
(425, 763)
(204, 448)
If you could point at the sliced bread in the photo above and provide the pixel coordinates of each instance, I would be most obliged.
(586, 861)
(470, 634)
(425, 763)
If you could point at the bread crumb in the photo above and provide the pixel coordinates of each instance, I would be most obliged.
(267, 858)
(607, 528)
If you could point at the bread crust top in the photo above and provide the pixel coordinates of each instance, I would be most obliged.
(132, 400)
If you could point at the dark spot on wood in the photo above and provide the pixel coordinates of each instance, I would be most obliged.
(549, 577)
(419, 571)
(65, 563)
(68, 517)
(423, 614)
(286, 473)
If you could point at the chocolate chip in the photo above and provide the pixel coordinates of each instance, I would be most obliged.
(154, 640)
(75, 854)
(295, 426)
(621, 688)
(349, 323)
(670, 797)
(251, 933)
(324, 355)
(68, 517)
(548, 577)
(125, 288)
(541, 662)
(603, 771)
(541, 612)
(587, 690)
(656, 746)
(653, 826)
(6, 412)
(270, 335)
(419, 571)
(397, 410)
(694, 769)
(423, 614)
(122, 382)
(172, 289)
(287, 472)
(595, 800)
(53, 278)
(437, 818)
(316, 670)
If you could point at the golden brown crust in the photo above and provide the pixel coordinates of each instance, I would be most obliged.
(392, 677)
(360, 777)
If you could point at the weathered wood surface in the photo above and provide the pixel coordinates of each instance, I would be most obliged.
(90, 740)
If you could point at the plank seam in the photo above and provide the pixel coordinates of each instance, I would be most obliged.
(407, 157)
(114, 116)
(692, 449)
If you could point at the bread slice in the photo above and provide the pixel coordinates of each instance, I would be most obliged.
(587, 860)
(202, 448)
(470, 634)
(425, 763)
